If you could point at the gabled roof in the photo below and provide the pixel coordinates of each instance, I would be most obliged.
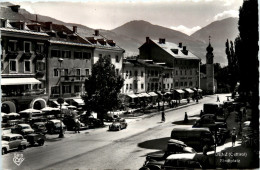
(171, 49)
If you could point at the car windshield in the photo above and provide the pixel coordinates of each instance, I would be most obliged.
(5, 138)
(25, 127)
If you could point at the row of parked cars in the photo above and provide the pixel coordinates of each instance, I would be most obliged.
(209, 130)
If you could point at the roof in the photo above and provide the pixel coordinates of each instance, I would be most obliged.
(24, 31)
(182, 156)
(169, 47)
(23, 125)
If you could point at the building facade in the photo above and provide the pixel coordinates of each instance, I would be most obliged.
(23, 66)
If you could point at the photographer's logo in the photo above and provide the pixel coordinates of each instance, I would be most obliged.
(18, 158)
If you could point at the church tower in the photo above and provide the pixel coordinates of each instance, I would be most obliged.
(210, 69)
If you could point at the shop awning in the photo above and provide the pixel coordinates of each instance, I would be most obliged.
(189, 90)
(179, 91)
(19, 81)
(144, 95)
(64, 104)
(152, 94)
(79, 101)
(132, 95)
(199, 90)
(168, 92)
(159, 92)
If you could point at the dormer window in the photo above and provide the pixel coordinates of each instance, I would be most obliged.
(21, 26)
(27, 47)
(3, 23)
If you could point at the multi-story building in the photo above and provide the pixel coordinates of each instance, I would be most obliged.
(23, 65)
(185, 65)
(106, 47)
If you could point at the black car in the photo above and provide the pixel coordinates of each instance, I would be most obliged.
(39, 127)
(118, 124)
(71, 124)
(36, 138)
(90, 121)
(54, 126)
(174, 147)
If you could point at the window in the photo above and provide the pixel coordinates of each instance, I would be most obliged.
(176, 84)
(117, 71)
(12, 45)
(66, 54)
(100, 55)
(136, 73)
(27, 47)
(142, 86)
(185, 83)
(77, 89)
(55, 90)
(135, 85)
(164, 86)
(2, 65)
(185, 72)
(190, 72)
(176, 72)
(181, 84)
(152, 86)
(148, 73)
(87, 72)
(27, 66)
(40, 66)
(66, 74)
(13, 65)
(126, 73)
(148, 86)
(130, 73)
(130, 86)
(55, 72)
(86, 55)
(142, 73)
(168, 86)
(156, 86)
(55, 53)
(126, 86)
(152, 73)
(77, 55)
(40, 48)
(156, 73)
(190, 83)
(181, 72)
(3, 23)
(117, 59)
(78, 74)
(66, 89)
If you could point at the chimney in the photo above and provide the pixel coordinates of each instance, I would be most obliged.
(161, 40)
(147, 39)
(180, 45)
(75, 29)
(96, 32)
(14, 8)
(49, 25)
(184, 48)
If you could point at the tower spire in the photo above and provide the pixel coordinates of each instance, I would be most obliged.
(209, 39)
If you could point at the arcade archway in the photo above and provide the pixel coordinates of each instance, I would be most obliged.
(8, 107)
(38, 103)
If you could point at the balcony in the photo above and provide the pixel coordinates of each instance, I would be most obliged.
(73, 78)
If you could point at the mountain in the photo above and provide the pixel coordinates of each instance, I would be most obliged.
(219, 31)
(140, 29)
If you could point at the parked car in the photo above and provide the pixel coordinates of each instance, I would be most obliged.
(54, 126)
(90, 121)
(38, 119)
(23, 129)
(13, 141)
(118, 124)
(210, 108)
(71, 123)
(36, 138)
(182, 161)
(212, 117)
(174, 147)
(194, 137)
(39, 127)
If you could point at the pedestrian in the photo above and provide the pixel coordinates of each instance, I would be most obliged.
(201, 113)
(233, 136)
(218, 99)
(163, 116)
(77, 126)
(186, 117)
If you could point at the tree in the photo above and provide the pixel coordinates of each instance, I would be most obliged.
(103, 88)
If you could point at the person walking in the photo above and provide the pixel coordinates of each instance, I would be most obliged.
(77, 126)
(233, 136)
(186, 117)
(218, 99)
(163, 116)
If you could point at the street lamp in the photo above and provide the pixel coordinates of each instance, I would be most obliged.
(60, 100)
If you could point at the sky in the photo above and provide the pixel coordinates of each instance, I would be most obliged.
(186, 16)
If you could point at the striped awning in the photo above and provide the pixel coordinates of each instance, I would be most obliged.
(152, 94)
(188, 90)
(19, 81)
(132, 95)
(179, 91)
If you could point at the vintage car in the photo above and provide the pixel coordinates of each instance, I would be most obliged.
(118, 124)
(90, 121)
(54, 126)
(39, 127)
(23, 129)
(71, 123)
(36, 138)
(173, 147)
(13, 141)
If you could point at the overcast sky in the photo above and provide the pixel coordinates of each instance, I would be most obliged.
(182, 15)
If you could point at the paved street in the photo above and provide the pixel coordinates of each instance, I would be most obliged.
(102, 149)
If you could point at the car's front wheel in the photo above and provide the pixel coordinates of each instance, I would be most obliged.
(4, 151)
